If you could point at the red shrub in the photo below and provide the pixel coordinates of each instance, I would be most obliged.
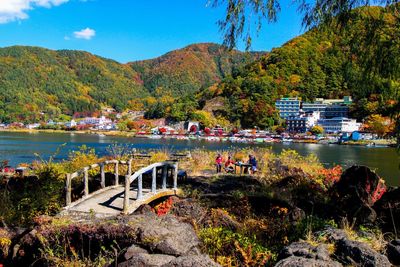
(164, 207)
(332, 175)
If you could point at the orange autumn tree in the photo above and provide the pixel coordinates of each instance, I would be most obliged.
(379, 125)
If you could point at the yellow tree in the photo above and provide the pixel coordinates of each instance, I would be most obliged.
(379, 125)
(317, 130)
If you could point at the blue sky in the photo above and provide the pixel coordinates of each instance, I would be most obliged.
(127, 30)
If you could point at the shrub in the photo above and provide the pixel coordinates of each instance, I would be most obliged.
(227, 246)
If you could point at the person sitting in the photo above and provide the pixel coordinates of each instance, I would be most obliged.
(218, 163)
(229, 165)
(253, 163)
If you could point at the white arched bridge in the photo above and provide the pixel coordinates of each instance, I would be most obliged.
(140, 187)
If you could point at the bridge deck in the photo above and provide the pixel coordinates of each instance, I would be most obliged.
(111, 201)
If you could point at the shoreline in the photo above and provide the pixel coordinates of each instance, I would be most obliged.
(248, 140)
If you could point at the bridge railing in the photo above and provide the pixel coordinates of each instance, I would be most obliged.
(138, 175)
(85, 172)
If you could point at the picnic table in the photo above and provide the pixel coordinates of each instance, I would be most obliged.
(141, 156)
(242, 166)
(180, 156)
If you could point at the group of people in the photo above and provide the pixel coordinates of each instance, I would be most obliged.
(229, 165)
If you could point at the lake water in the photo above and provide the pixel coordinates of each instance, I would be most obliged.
(21, 147)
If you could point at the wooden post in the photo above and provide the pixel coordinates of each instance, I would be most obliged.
(175, 176)
(126, 196)
(164, 177)
(130, 167)
(68, 190)
(140, 185)
(116, 173)
(86, 181)
(102, 176)
(154, 181)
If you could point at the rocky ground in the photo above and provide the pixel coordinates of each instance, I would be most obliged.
(245, 209)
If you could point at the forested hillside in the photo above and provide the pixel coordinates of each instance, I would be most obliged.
(194, 67)
(327, 62)
(37, 83)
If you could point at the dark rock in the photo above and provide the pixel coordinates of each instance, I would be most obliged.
(358, 181)
(188, 210)
(366, 215)
(165, 235)
(332, 234)
(393, 252)
(143, 209)
(305, 250)
(189, 261)
(359, 253)
(294, 261)
(143, 259)
(134, 250)
(296, 214)
(356, 192)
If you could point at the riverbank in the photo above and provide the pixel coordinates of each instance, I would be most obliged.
(255, 139)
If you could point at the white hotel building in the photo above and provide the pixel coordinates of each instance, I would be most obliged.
(339, 125)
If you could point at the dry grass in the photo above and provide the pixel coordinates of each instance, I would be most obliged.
(159, 155)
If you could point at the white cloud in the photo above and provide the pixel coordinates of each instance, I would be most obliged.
(11, 10)
(86, 34)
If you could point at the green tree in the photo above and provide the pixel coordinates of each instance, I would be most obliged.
(241, 16)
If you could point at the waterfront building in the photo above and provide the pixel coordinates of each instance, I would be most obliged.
(302, 123)
(288, 107)
(339, 125)
(315, 107)
(33, 126)
(334, 111)
(71, 124)
(296, 124)
(329, 108)
(346, 100)
(95, 121)
(357, 136)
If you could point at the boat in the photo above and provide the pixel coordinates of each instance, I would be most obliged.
(154, 136)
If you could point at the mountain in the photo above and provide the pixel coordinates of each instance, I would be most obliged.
(37, 83)
(192, 68)
(361, 59)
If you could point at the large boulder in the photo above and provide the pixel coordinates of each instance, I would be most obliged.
(305, 250)
(145, 259)
(294, 261)
(355, 193)
(165, 235)
(188, 210)
(354, 252)
(332, 234)
(133, 251)
(305, 254)
(192, 261)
